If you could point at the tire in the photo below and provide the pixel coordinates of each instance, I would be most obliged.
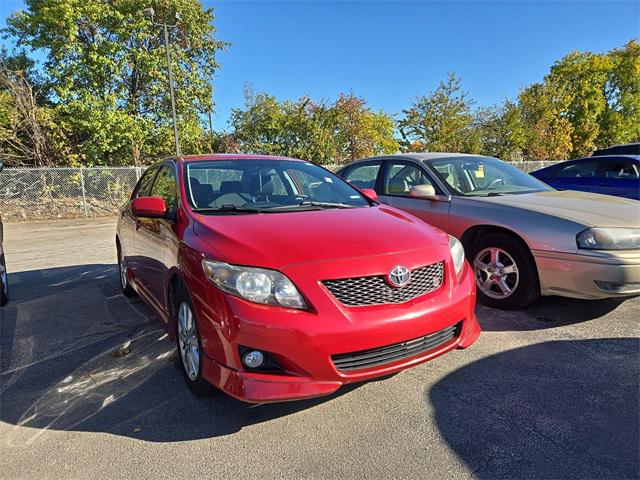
(125, 287)
(510, 282)
(188, 340)
(4, 284)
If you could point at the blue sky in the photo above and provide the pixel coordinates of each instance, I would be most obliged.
(391, 51)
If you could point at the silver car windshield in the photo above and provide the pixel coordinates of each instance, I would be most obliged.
(484, 176)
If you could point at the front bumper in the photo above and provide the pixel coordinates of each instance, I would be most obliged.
(303, 342)
(589, 274)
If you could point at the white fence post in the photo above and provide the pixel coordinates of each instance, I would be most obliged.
(84, 193)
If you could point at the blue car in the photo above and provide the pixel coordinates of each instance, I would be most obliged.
(617, 175)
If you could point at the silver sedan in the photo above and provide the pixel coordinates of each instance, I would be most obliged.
(523, 238)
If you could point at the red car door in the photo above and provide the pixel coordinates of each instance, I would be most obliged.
(129, 224)
(155, 236)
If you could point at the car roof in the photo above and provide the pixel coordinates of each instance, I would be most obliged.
(234, 156)
(420, 157)
(603, 157)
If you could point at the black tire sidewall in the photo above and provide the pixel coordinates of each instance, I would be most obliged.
(4, 297)
(528, 289)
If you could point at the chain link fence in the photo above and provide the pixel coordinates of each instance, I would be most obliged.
(50, 193)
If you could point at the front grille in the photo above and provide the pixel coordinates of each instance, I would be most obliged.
(395, 352)
(360, 291)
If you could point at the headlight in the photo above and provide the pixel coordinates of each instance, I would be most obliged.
(257, 285)
(609, 238)
(457, 254)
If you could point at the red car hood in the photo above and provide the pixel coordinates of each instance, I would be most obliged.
(278, 240)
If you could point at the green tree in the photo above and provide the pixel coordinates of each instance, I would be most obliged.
(106, 68)
(500, 131)
(322, 132)
(620, 121)
(440, 121)
(548, 131)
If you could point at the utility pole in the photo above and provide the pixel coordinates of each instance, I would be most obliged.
(150, 13)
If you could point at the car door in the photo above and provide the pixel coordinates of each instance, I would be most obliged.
(129, 223)
(621, 177)
(398, 176)
(582, 175)
(155, 236)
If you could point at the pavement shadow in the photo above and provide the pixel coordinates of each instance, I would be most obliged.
(547, 312)
(77, 355)
(560, 409)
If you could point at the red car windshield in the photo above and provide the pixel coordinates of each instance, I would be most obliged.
(253, 186)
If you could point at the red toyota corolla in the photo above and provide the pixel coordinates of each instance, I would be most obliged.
(278, 280)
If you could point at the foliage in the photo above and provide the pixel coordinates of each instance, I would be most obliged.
(322, 132)
(100, 97)
(107, 75)
(548, 130)
(587, 101)
(501, 131)
(441, 121)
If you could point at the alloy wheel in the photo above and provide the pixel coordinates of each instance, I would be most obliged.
(188, 341)
(496, 273)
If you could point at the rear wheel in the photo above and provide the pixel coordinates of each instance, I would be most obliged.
(506, 275)
(189, 344)
(4, 283)
(126, 288)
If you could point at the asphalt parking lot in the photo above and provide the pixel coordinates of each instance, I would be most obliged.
(89, 388)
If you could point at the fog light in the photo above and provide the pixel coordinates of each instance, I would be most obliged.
(253, 359)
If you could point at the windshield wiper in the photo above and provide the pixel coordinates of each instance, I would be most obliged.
(229, 208)
(495, 194)
(313, 203)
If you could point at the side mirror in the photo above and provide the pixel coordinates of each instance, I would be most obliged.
(423, 191)
(370, 193)
(149, 207)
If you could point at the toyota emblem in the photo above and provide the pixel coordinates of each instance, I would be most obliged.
(399, 276)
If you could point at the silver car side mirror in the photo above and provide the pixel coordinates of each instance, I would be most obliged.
(423, 191)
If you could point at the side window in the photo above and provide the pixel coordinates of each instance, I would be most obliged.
(363, 176)
(622, 168)
(166, 187)
(400, 177)
(584, 169)
(144, 185)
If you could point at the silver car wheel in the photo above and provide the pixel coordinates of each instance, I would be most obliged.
(188, 341)
(496, 273)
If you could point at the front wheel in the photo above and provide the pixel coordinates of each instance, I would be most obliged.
(189, 345)
(506, 274)
(4, 283)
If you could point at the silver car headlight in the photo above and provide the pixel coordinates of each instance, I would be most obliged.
(457, 254)
(257, 285)
(609, 238)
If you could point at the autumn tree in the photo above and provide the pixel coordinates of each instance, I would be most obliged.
(323, 132)
(106, 68)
